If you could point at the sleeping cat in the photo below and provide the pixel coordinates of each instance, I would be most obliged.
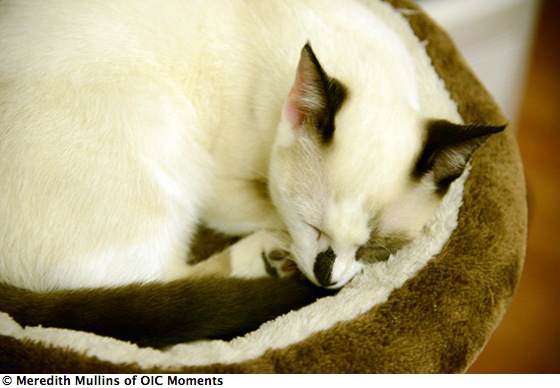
(297, 124)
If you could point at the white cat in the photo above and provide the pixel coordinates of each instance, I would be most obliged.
(124, 125)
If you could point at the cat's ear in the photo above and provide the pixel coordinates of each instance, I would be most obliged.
(447, 149)
(315, 97)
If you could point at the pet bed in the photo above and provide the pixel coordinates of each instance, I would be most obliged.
(431, 307)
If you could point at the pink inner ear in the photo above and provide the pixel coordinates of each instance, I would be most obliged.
(294, 108)
(293, 114)
(305, 95)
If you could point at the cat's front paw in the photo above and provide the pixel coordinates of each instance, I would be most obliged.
(262, 253)
(280, 263)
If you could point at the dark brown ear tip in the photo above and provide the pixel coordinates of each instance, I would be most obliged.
(478, 129)
(307, 50)
(489, 130)
(491, 127)
(486, 130)
(499, 128)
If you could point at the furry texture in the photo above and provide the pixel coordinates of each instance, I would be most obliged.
(438, 320)
(139, 313)
(117, 139)
(369, 289)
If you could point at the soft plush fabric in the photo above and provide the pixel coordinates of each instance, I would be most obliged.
(429, 308)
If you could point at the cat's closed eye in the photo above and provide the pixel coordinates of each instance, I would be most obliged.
(319, 232)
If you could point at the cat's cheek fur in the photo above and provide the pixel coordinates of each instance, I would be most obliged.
(410, 212)
(304, 251)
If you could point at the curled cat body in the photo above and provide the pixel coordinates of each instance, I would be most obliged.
(307, 127)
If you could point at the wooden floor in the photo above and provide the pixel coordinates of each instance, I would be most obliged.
(528, 339)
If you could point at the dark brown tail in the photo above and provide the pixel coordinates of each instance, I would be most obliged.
(158, 315)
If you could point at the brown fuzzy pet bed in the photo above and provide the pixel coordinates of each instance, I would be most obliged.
(431, 307)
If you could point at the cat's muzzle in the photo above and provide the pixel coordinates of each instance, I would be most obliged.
(333, 271)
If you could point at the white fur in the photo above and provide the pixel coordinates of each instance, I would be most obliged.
(124, 124)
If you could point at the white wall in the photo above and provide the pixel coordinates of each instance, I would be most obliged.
(495, 36)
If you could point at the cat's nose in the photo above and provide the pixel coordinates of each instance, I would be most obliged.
(323, 267)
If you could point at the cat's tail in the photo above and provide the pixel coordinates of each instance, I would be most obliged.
(161, 314)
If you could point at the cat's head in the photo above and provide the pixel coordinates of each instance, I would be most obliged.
(345, 174)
